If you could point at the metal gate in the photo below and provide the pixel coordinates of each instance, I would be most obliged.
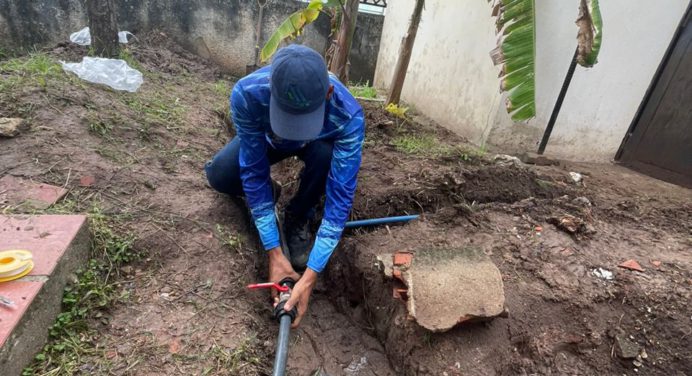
(659, 142)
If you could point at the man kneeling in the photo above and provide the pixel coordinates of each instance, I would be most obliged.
(293, 107)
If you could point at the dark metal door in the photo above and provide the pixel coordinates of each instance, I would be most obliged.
(660, 140)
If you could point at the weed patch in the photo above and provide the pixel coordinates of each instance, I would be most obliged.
(396, 110)
(421, 145)
(237, 361)
(36, 70)
(155, 110)
(222, 88)
(126, 55)
(363, 91)
(87, 298)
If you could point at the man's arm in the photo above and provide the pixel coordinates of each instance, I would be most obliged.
(254, 168)
(341, 187)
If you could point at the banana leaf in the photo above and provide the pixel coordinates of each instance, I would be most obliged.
(590, 33)
(516, 55)
(291, 27)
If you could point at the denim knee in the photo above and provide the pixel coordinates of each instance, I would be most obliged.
(223, 171)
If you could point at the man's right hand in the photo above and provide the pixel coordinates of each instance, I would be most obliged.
(280, 268)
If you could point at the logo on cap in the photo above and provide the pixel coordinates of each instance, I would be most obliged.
(296, 97)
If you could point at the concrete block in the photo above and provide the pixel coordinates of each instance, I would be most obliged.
(28, 194)
(60, 245)
(451, 286)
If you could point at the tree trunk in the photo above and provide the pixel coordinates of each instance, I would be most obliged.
(339, 63)
(103, 26)
(405, 55)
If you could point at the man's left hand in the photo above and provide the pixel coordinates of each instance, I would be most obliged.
(300, 295)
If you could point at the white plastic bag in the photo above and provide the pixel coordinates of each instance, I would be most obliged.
(83, 37)
(112, 72)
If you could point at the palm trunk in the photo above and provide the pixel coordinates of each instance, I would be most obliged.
(103, 26)
(405, 55)
(339, 63)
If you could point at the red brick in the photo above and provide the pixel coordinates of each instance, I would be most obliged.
(87, 181)
(403, 259)
(45, 236)
(631, 265)
(22, 293)
(21, 192)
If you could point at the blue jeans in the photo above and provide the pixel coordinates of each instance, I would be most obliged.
(223, 173)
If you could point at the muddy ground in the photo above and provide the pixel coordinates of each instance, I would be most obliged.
(186, 310)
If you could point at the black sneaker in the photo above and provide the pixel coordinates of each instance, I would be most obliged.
(298, 239)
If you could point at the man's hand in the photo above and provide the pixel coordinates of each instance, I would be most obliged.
(280, 268)
(300, 296)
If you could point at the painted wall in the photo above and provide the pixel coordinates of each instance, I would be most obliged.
(223, 31)
(452, 80)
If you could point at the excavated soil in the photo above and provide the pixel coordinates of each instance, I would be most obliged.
(189, 313)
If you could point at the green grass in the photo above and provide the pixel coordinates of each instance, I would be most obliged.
(421, 145)
(429, 146)
(126, 55)
(222, 88)
(229, 239)
(234, 361)
(92, 292)
(363, 91)
(4, 53)
(35, 70)
(155, 110)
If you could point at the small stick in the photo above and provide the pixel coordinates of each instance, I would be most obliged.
(171, 238)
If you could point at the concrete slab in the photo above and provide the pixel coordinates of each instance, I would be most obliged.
(450, 286)
(46, 236)
(22, 294)
(60, 245)
(28, 194)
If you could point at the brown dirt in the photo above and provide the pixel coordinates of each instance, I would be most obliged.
(188, 312)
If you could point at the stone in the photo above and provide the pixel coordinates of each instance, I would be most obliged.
(453, 285)
(11, 127)
(624, 348)
(537, 159)
(583, 201)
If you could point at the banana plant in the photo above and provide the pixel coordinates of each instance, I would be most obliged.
(516, 49)
(293, 26)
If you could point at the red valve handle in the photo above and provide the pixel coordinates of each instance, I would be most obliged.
(268, 285)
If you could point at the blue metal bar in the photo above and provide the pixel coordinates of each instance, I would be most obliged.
(380, 221)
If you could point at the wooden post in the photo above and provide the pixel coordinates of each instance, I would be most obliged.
(405, 55)
(339, 63)
(103, 26)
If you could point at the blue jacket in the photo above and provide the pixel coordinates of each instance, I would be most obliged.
(344, 124)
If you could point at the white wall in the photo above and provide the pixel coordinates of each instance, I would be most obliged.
(452, 80)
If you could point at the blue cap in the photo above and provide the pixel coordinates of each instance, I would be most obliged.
(299, 85)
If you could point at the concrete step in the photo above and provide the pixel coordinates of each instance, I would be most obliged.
(60, 245)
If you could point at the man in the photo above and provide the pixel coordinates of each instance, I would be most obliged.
(293, 107)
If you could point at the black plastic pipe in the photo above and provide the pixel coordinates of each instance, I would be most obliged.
(558, 103)
(282, 346)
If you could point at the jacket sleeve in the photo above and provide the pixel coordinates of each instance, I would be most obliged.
(341, 187)
(254, 168)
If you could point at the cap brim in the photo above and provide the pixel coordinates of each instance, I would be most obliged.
(296, 127)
